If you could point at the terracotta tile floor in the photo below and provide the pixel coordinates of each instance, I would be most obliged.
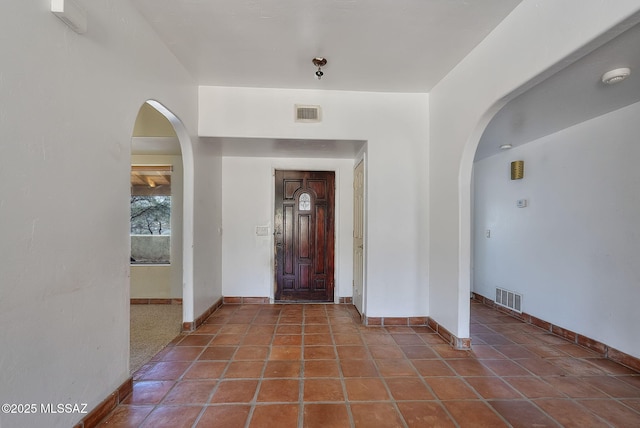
(316, 366)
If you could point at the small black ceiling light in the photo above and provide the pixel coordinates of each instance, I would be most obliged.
(319, 62)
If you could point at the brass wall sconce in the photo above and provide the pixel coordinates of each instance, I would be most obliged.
(517, 170)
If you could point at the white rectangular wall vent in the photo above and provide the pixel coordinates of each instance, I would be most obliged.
(308, 114)
(509, 299)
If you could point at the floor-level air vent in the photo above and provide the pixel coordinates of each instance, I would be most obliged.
(509, 299)
(308, 113)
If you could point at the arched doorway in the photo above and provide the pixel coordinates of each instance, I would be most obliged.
(161, 232)
(534, 248)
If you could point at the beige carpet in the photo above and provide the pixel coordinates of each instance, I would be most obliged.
(152, 328)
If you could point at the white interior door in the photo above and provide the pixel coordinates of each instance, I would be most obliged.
(358, 237)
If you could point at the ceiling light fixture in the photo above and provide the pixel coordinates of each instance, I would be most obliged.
(615, 76)
(319, 62)
(505, 146)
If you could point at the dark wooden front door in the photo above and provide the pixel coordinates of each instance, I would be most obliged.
(304, 235)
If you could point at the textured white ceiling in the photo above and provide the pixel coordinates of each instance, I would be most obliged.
(378, 46)
(370, 45)
(573, 95)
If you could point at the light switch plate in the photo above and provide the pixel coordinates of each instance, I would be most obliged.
(262, 230)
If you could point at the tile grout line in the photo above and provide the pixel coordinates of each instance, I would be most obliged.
(175, 383)
(391, 397)
(430, 389)
(488, 401)
(517, 361)
(524, 397)
(302, 377)
(253, 403)
(219, 380)
(532, 401)
(341, 376)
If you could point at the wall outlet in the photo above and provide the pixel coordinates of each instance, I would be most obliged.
(522, 203)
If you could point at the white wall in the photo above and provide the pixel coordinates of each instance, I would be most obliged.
(248, 201)
(163, 281)
(69, 103)
(151, 282)
(207, 242)
(396, 129)
(534, 41)
(573, 251)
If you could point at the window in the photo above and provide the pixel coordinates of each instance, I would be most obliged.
(151, 214)
(304, 204)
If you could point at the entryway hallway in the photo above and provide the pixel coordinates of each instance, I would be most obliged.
(292, 365)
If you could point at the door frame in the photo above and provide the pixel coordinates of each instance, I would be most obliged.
(188, 198)
(336, 231)
(357, 162)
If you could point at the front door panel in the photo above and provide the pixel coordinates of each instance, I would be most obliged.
(304, 235)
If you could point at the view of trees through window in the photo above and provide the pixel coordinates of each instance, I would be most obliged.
(151, 214)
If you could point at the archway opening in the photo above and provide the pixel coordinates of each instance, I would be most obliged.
(158, 233)
(531, 238)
